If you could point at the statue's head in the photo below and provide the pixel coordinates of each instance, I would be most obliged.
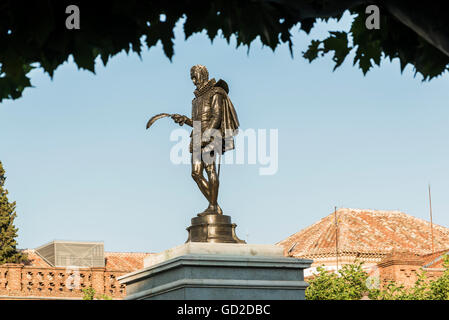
(199, 75)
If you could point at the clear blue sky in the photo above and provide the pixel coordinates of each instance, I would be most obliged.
(82, 167)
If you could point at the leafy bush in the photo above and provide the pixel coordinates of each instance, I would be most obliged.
(89, 294)
(351, 282)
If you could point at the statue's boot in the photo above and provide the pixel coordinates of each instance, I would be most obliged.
(211, 209)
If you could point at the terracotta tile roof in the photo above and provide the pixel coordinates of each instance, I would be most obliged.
(367, 231)
(35, 260)
(125, 261)
(115, 261)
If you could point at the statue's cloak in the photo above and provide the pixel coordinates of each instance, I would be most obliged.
(229, 120)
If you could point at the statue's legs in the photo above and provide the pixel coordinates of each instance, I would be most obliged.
(209, 187)
(197, 175)
(214, 183)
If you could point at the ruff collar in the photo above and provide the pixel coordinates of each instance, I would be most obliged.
(205, 88)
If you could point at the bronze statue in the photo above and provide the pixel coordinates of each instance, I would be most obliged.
(215, 123)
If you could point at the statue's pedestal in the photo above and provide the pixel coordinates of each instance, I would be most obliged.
(213, 228)
(218, 271)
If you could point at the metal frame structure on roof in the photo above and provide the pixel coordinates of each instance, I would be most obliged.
(63, 253)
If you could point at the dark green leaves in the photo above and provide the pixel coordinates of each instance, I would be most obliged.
(393, 40)
(34, 33)
(13, 84)
(337, 42)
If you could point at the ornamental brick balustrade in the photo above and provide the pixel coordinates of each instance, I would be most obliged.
(20, 281)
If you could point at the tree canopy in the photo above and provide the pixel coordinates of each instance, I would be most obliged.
(33, 34)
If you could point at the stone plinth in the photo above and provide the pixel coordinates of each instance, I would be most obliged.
(211, 271)
(228, 249)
